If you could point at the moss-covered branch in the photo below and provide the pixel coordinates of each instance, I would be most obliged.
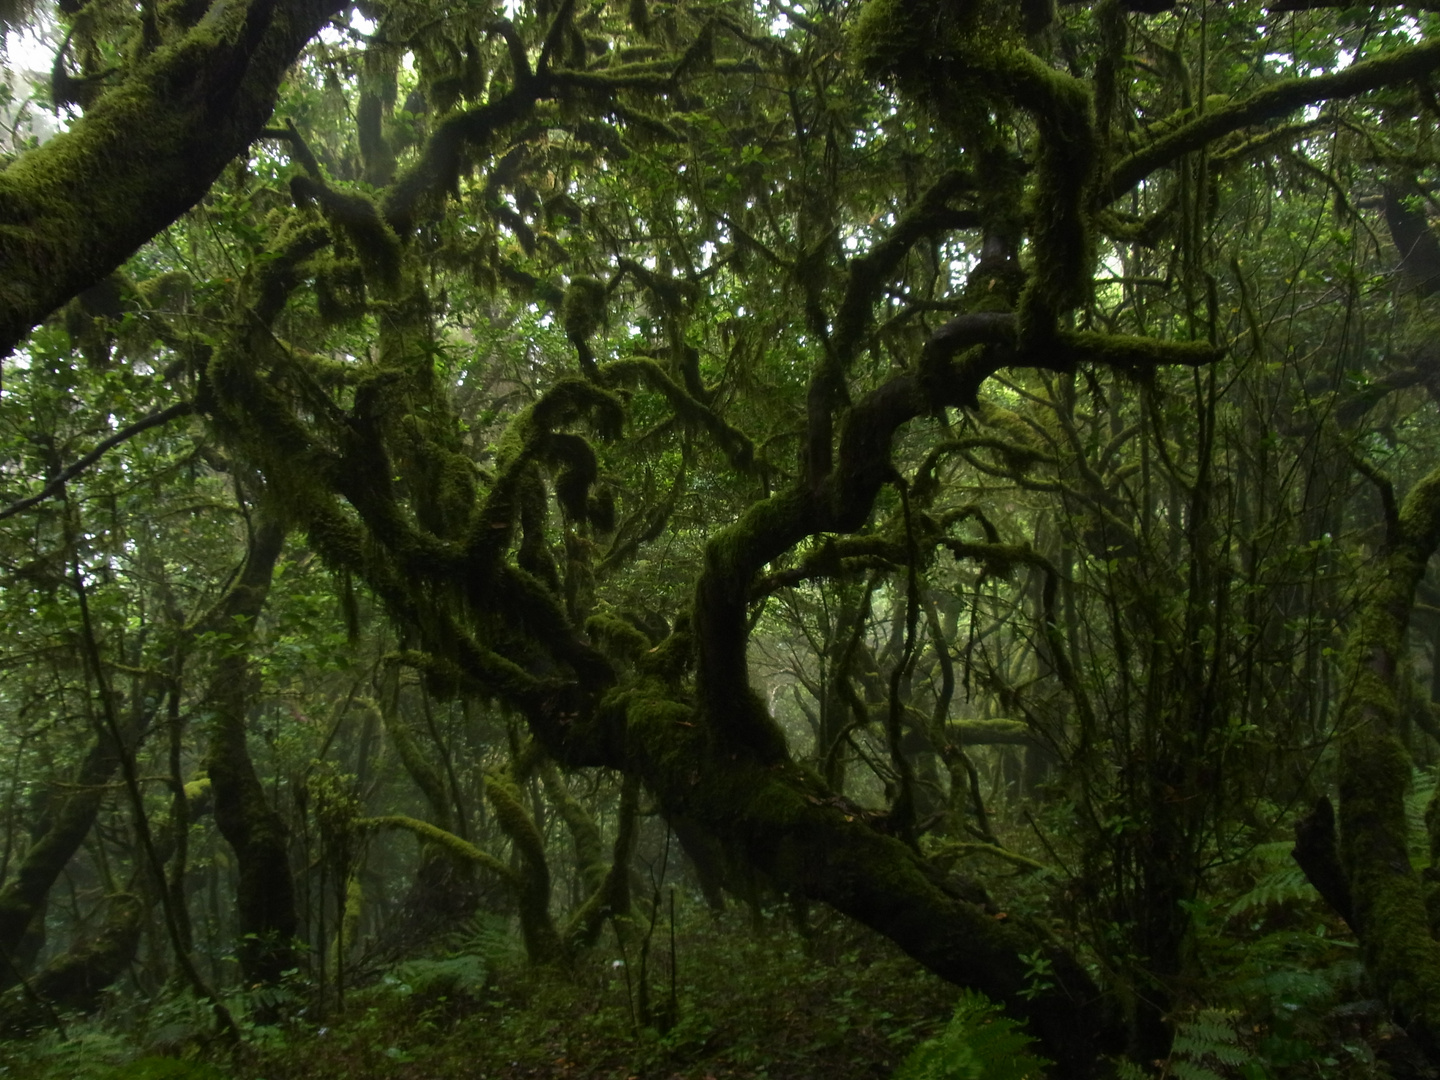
(869, 273)
(543, 943)
(1271, 103)
(444, 839)
(74, 208)
(733, 443)
(783, 820)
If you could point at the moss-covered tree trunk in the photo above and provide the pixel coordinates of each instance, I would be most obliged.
(543, 943)
(1386, 895)
(61, 832)
(265, 901)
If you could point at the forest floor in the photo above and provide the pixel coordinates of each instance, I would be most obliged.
(750, 1000)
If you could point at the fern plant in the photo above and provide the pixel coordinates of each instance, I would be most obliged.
(1207, 1042)
(1279, 881)
(1206, 1047)
(490, 938)
(452, 976)
(980, 1043)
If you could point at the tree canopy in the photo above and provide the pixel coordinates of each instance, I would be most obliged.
(896, 443)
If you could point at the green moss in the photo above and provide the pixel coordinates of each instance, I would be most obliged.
(339, 289)
(542, 941)
(455, 491)
(960, 60)
(1390, 901)
(670, 660)
(601, 509)
(590, 860)
(570, 400)
(1129, 352)
(444, 839)
(584, 310)
(577, 471)
(168, 292)
(514, 820)
(616, 636)
(889, 37)
(1420, 516)
(359, 219)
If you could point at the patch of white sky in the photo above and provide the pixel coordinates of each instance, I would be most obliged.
(333, 35)
(1407, 27)
(26, 56)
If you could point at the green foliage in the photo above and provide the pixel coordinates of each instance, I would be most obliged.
(593, 282)
(752, 997)
(1280, 881)
(85, 1052)
(980, 1043)
(490, 939)
(161, 1068)
(1206, 1042)
(455, 975)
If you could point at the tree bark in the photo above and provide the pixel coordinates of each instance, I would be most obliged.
(1387, 897)
(265, 904)
(62, 832)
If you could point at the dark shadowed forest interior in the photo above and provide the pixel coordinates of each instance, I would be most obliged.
(719, 539)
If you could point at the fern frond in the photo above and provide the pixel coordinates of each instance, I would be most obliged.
(1204, 1044)
(1279, 881)
(1188, 1070)
(980, 1043)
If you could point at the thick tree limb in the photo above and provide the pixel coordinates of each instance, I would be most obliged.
(74, 209)
(453, 844)
(1418, 247)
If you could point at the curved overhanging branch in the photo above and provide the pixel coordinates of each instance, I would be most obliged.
(74, 209)
(778, 812)
(784, 820)
(1273, 102)
(452, 844)
(956, 361)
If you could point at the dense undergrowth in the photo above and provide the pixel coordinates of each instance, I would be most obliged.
(750, 1000)
(1283, 997)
